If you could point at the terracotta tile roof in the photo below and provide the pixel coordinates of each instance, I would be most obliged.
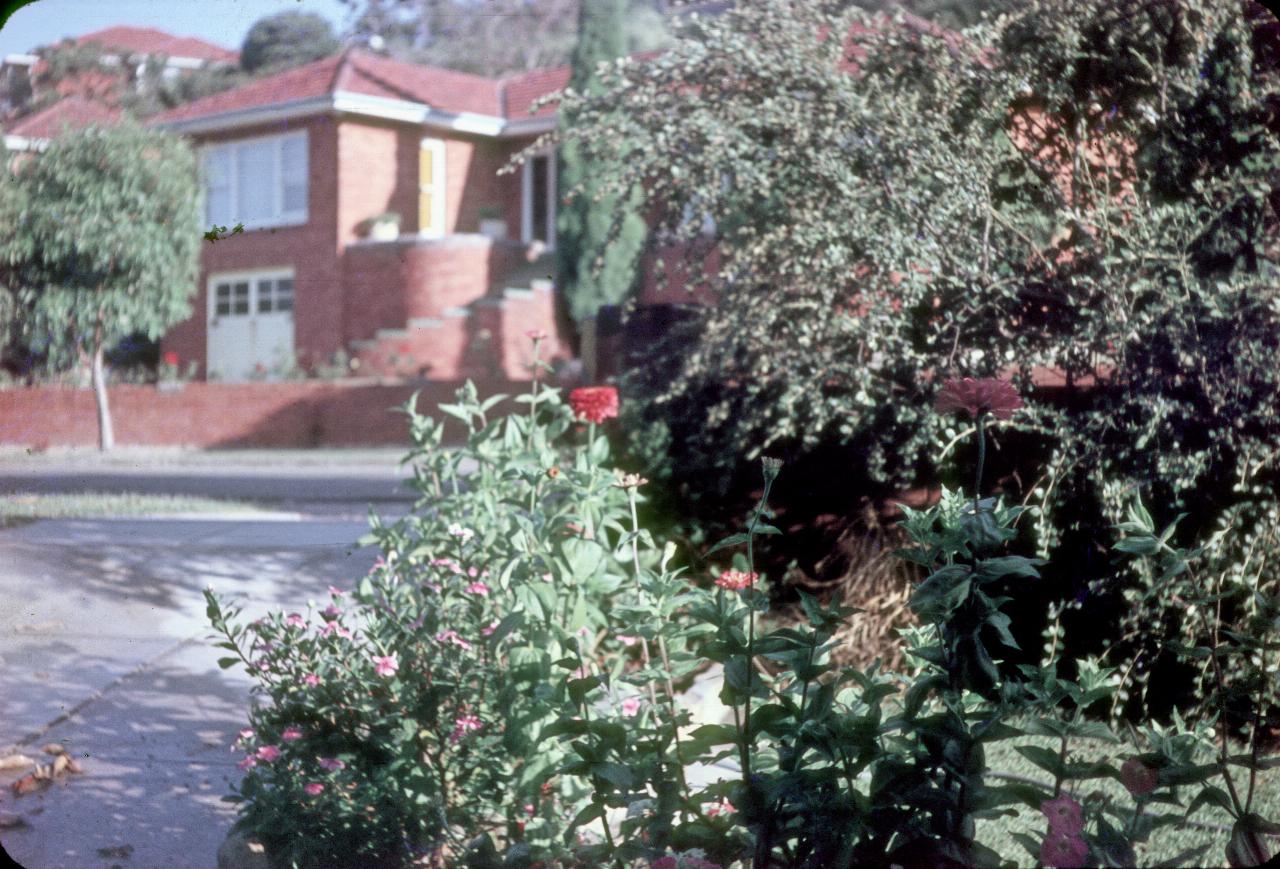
(519, 92)
(148, 40)
(71, 113)
(354, 71)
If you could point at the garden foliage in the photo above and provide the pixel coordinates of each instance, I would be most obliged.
(1080, 193)
(504, 687)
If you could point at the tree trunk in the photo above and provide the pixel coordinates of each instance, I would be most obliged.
(106, 436)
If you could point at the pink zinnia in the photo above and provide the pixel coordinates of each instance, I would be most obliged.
(975, 397)
(724, 807)
(1065, 815)
(314, 788)
(247, 733)
(736, 580)
(295, 620)
(630, 706)
(269, 753)
(1061, 851)
(487, 630)
(332, 611)
(451, 637)
(628, 641)
(336, 592)
(290, 734)
(331, 763)
(311, 679)
(477, 588)
(536, 335)
(248, 763)
(464, 725)
(386, 665)
(334, 628)
(1138, 778)
(594, 403)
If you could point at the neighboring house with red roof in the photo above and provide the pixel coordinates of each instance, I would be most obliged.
(308, 158)
(32, 132)
(126, 53)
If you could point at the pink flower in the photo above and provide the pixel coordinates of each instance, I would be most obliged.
(453, 566)
(975, 397)
(334, 628)
(487, 630)
(478, 588)
(433, 586)
(1062, 851)
(336, 592)
(464, 725)
(332, 611)
(529, 809)
(264, 666)
(311, 679)
(290, 734)
(314, 788)
(536, 335)
(247, 733)
(594, 403)
(295, 620)
(451, 637)
(331, 763)
(472, 572)
(1065, 815)
(248, 763)
(724, 807)
(386, 665)
(269, 753)
(736, 580)
(630, 706)
(628, 641)
(1138, 778)
(171, 358)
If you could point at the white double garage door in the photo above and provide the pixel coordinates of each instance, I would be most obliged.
(250, 325)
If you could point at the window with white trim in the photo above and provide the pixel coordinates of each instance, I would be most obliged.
(258, 182)
(538, 199)
(243, 295)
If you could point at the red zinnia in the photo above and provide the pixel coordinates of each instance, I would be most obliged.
(171, 358)
(1138, 778)
(975, 397)
(736, 580)
(594, 403)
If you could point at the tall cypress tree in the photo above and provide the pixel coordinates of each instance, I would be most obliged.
(590, 270)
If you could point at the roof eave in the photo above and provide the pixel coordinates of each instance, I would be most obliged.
(364, 105)
(25, 143)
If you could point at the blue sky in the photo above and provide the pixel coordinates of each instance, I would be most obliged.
(224, 22)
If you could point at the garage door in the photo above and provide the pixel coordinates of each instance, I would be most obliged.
(250, 325)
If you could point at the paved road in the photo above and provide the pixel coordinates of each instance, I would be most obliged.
(102, 648)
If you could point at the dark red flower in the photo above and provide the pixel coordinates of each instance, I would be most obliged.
(975, 397)
(1138, 778)
(594, 403)
(171, 358)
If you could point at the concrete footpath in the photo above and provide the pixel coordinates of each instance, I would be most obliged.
(103, 649)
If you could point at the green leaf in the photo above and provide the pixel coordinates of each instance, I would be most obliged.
(615, 773)
(731, 540)
(224, 663)
(1047, 760)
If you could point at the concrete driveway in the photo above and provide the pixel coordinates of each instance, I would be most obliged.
(103, 649)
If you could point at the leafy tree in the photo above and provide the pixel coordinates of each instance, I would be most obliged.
(287, 39)
(1086, 187)
(594, 265)
(491, 38)
(104, 246)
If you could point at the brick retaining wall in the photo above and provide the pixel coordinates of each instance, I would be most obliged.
(291, 414)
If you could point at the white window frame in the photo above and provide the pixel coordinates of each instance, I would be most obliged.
(280, 217)
(439, 186)
(251, 276)
(526, 199)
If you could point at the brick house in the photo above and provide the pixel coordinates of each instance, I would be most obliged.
(309, 159)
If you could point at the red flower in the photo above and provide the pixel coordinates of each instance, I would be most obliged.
(736, 580)
(975, 397)
(594, 403)
(1138, 778)
(171, 358)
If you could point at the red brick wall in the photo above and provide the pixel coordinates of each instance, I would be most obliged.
(377, 172)
(293, 414)
(310, 249)
(390, 282)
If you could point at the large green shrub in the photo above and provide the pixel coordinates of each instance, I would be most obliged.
(1080, 188)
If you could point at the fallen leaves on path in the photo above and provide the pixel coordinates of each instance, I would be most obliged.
(44, 774)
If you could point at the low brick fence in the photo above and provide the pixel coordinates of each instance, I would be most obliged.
(289, 414)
